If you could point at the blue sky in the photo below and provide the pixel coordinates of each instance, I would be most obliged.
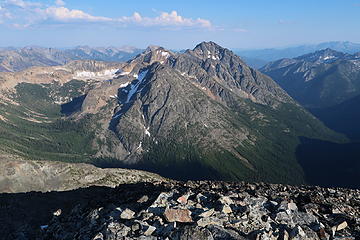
(177, 24)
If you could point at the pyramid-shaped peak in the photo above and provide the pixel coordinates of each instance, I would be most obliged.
(153, 48)
(208, 46)
(210, 50)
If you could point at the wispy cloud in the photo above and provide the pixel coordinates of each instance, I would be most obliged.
(34, 13)
(60, 3)
(283, 22)
(22, 4)
(4, 15)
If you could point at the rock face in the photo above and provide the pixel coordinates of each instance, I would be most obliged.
(197, 105)
(258, 211)
(201, 114)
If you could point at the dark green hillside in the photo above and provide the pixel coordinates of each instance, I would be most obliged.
(37, 130)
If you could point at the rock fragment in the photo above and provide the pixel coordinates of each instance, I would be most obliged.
(127, 214)
(178, 215)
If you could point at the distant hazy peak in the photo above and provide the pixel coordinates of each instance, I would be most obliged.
(322, 56)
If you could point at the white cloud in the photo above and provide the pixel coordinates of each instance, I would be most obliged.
(4, 15)
(60, 3)
(34, 13)
(22, 4)
(166, 19)
(63, 14)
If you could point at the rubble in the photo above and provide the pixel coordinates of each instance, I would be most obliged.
(214, 210)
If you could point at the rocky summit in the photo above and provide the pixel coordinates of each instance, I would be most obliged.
(192, 210)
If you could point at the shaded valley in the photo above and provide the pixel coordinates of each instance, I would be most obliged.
(330, 164)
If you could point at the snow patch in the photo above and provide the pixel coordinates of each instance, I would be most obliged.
(124, 85)
(124, 73)
(116, 116)
(134, 87)
(108, 73)
(147, 131)
(328, 57)
(356, 63)
(140, 144)
(165, 54)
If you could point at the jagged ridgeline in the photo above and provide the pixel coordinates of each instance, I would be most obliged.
(201, 114)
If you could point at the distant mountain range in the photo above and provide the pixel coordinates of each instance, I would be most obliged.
(327, 82)
(14, 59)
(200, 114)
(320, 79)
(259, 57)
(17, 59)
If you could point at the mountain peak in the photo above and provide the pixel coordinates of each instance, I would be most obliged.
(155, 54)
(151, 48)
(328, 51)
(210, 46)
(207, 45)
(151, 55)
(209, 50)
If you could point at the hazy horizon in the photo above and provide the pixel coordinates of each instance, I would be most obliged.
(177, 25)
(190, 47)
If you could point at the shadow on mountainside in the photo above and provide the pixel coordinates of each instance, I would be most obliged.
(344, 117)
(73, 106)
(181, 171)
(330, 164)
(22, 214)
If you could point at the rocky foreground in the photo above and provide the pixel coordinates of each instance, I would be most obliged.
(205, 210)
